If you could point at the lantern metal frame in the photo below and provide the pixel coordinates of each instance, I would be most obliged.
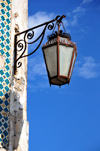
(58, 42)
(20, 45)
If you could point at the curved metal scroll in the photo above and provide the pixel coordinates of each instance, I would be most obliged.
(21, 44)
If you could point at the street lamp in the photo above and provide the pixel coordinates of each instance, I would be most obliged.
(59, 52)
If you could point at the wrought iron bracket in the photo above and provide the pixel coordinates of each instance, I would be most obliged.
(20, 45)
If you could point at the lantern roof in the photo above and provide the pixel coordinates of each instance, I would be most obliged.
(61, 34)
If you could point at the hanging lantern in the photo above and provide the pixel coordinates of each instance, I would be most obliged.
(59, 54)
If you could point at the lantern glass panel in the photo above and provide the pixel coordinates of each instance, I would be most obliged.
(51, 59)
(65, 59)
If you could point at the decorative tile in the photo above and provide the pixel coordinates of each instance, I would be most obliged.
(1, 86)
(1, 79)
(6, 103)
(5, 46)
(1, 101)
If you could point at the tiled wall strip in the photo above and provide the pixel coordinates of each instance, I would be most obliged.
(5, 71)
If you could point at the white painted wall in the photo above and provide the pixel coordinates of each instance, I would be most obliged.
(19, 127)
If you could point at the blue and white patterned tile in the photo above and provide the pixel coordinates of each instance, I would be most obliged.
(5, 51)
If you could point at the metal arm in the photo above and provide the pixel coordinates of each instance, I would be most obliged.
(21, 44)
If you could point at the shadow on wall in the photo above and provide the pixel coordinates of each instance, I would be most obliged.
(17, 102)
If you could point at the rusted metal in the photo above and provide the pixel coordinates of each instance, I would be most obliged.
(74, 52)
(71, 62)
(58, 68)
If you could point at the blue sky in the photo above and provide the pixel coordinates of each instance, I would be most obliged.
(66, 118)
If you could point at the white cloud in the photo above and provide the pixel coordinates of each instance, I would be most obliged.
(87, 68)
(36, 68)
(38, 86)
(74, 21)
(37, 74)
(68, 14)
(86, 1)
(78, 10)
(39, 18)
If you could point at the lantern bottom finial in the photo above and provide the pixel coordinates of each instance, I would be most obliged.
(58, 80)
